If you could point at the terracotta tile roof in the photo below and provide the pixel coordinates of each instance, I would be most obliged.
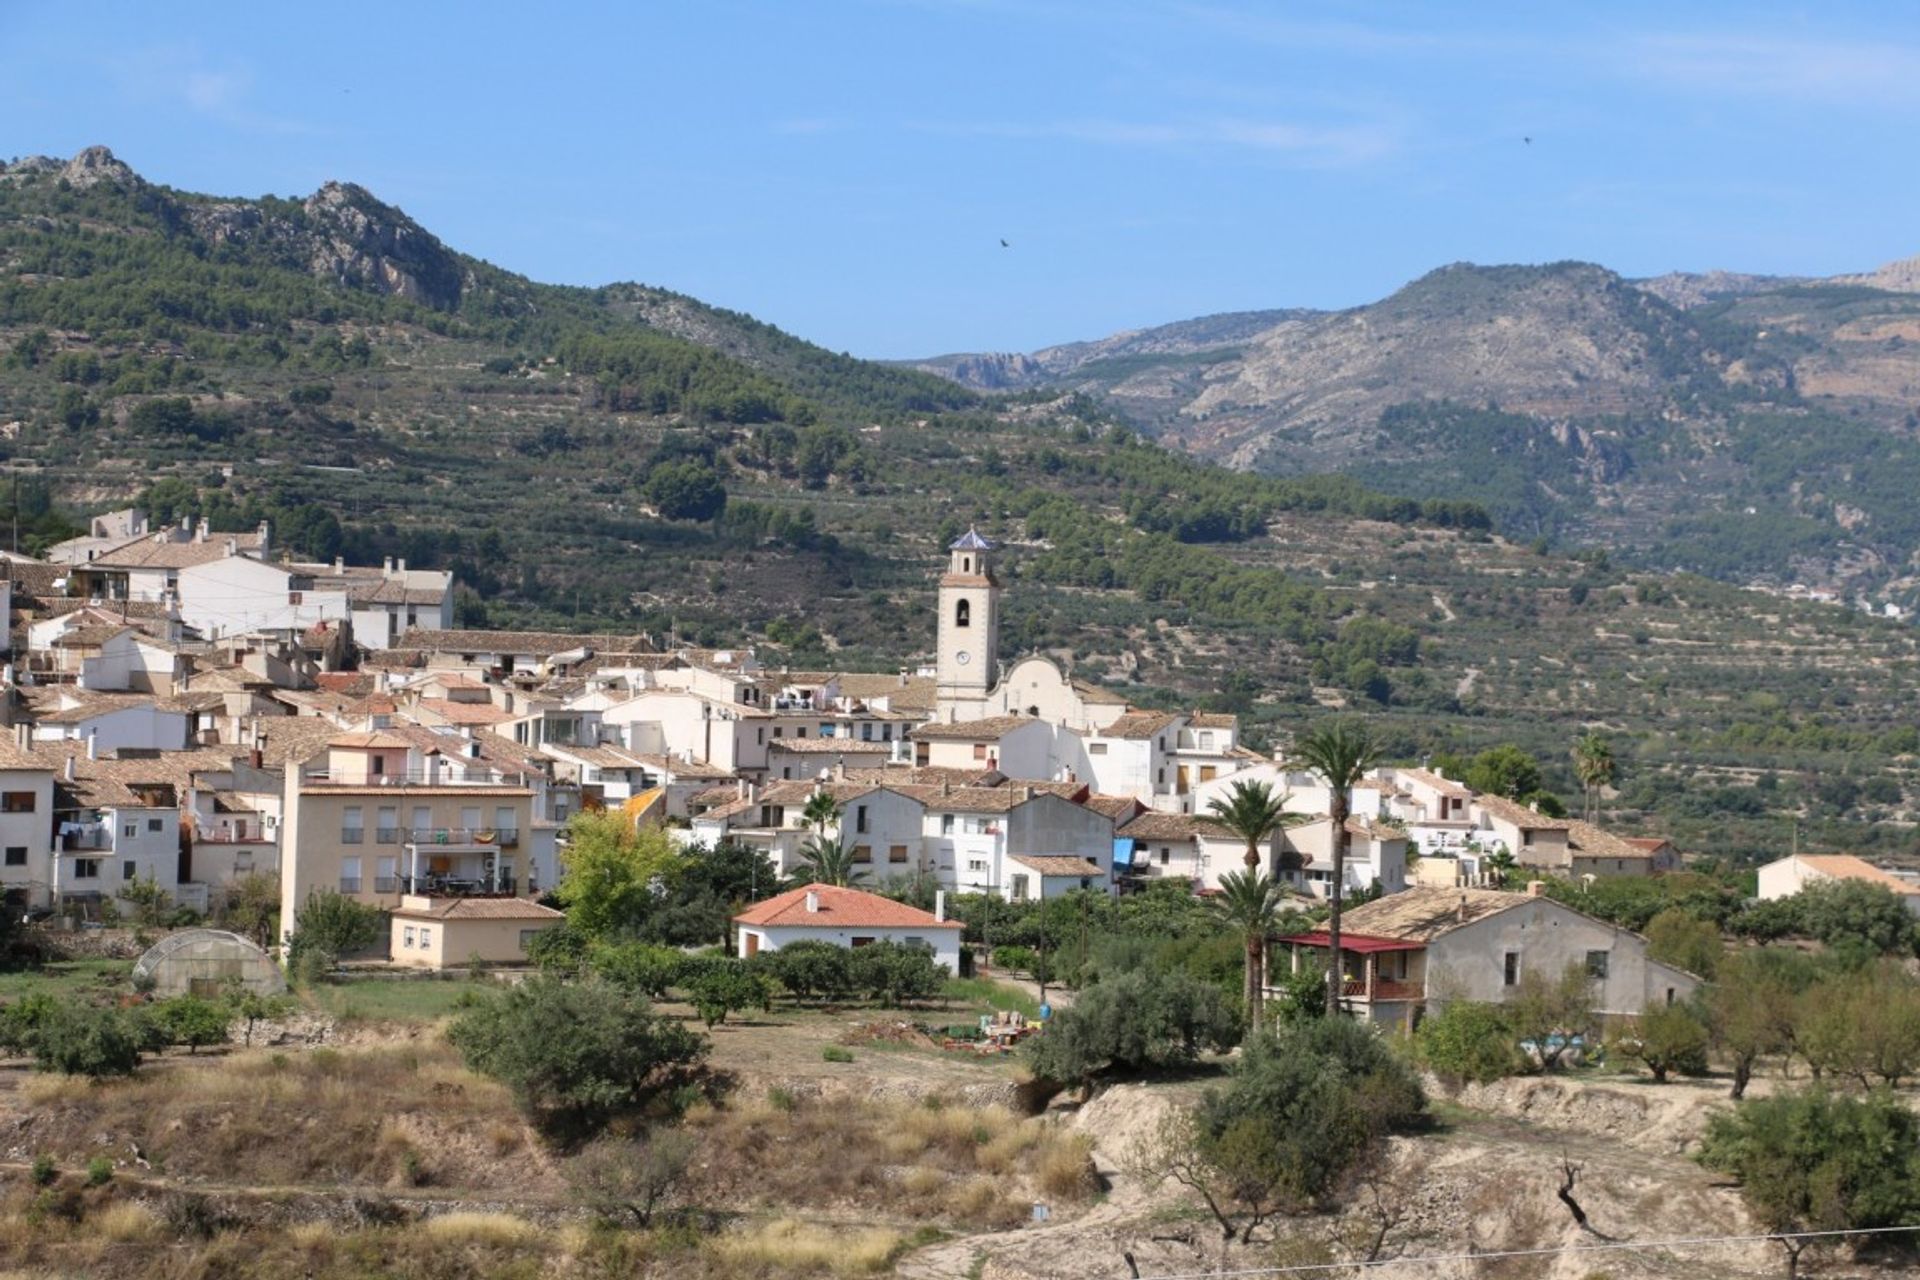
(465, 712)
(919, 690)
(966, 799)
(1422, 914)
(152, 553)
(1214, 720)
(840, 909)
(600, 757)
(1091, 692)
(1434, 782)
(926, 775)
(1598, 842)
(830, 746)
(685, 769)
(480, 909)
(1058, 865)
(1844, 866)
(1173, 826)
(347, 683)
(1519, 815)
(1139, 725)
(376, 740)
(1652, 844)
(1118, 808)
(542, 644)
(992, 729)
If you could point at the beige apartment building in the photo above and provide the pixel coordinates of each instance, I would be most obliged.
(376, 818)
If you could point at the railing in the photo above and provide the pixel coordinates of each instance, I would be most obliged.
(1383, 989)
(349, 884)
(204, 836)
(459, 772)
(352, 835)
(95, 840)
(452, 886)
(386, 835)
(386, 884)
(455, 835)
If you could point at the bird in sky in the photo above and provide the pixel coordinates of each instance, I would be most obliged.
(1005, 245)
(1528, 141)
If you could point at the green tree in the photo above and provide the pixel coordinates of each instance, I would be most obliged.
(686, 490)
(252, 907)
(1252, 812)
(820, 812)
(1841, 911)
(725, 985)
(1679, 938)
(1467, 1042)
(1750, 1008)
(192, 1021)
(896, 975)
(1549, 1012)
(1131, 1022)
(1249, 903)
(1811, 1161)
(629, 1182)
(615, 1055)
(328, 926)
(1671, 1037)
(1504, 770)
(812, 969)
(151, 904)
(638, 967)
(1594, 766)
(1340, 753)
(616, 874)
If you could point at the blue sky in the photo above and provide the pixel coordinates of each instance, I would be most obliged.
(848, 170)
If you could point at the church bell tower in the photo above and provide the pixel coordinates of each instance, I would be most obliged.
(969, 630)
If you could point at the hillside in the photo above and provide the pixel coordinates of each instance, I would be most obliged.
(628, 458)
(1753, 428)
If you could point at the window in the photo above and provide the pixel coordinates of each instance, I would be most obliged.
(963, 614)
(976, 864)
(1166, 855)
(387, 830)
(1206, 741)
(352, 825)
(426, 936)
(1597, 965)
(86, 868)
(1513, 968)
(863, 853)
(131, 830)
(946, 824)
(1019, 888)
(526, 938)
(979, 751)
(760, 737)
(293, 597)
(860, 817)
(17, 801)
(129, 870)
(378, 767)
(153, 825)
(406, 936)
(778, 732)
(1526, 838)
(866, 733)
(862, 942)
(1096, 748)
(386, 875)
(16, 855)
(349, 875)
(895, 853)
(799, 731)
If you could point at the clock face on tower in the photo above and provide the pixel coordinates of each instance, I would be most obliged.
(963, 657)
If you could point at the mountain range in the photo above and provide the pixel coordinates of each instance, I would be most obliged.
(1759, 428)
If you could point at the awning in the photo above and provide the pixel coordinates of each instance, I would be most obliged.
(1362, 943)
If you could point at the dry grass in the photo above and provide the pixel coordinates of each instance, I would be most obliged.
(492, 1230)
(128, 1222)
(55, 1090)
(789, 1246)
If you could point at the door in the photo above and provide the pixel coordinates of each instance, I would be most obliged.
(753, 944)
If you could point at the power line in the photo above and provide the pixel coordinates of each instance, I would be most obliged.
(1618, 1246)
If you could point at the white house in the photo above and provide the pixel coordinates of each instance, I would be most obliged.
(1015, 745)
(26, 828)
(1784, 877)
(847, 918)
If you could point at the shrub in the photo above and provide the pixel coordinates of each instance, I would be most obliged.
(83, 1040)
(835, 1053)
(328, 927)
(722, 986)
(44, 1171)
(1677, 937)
(99, 1171)
(1020, 958)
(1467, 1042)
(638, 966)
(615, 1054)
(20, 1022)
(896, 975)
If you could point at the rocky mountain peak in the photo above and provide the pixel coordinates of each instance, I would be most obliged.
(95, 165)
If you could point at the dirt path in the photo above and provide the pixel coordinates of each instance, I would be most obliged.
(1446, 610)
(1467, 681)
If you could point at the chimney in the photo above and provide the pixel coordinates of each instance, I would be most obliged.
(903, 677)
(339, 564)
(386, 566)
(743, 789)
(1536, 888)
(257, 759)
(233, 546)
(1026, 794)
(840, 769)
(813, 902)
(69, 768)
(1463, 908)
(23, 736)
(399, 566)
(93, 745)
(200, 534)
(940, 906)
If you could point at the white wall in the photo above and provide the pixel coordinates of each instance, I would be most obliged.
(945, 941)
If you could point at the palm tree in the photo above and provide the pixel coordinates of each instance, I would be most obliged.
(1341, 753)
(1594, 766)
(1251, 811)
(1500, 865)
(822, 811)
(1248, 903)
(828, 861)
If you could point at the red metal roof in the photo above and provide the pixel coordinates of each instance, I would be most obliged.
(1362, 943)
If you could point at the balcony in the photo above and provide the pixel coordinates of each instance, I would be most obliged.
(1383, 989)
(457, 886)
(206, 835)
(468, 837)
(352, 835)
(86, 839)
